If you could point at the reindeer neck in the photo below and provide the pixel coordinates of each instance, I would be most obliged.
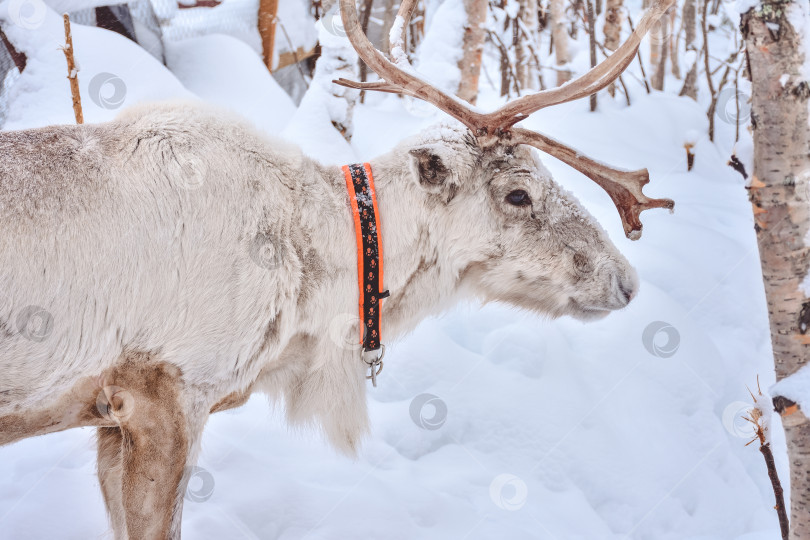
(417, 265)
(418, 271)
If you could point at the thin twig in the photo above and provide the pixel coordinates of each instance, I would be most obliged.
(737, 103)
(712, 94)
(638, 54)
(778, 492)
(621, 80)
(755, 416)
(72, 72)
(532, 52)
(496, 39)
(292, 50)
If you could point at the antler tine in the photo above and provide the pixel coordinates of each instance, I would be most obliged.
(596, 79)
(405, 12)
(397, 78)
(623, 187)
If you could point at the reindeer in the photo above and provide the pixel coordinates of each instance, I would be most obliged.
(164, 266)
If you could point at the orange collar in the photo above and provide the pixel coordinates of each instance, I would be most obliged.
(363, 198)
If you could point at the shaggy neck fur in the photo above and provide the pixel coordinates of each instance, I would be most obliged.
(415, 250)
(321, 378)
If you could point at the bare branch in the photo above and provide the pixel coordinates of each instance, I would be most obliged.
(72, 72)
(594, 80)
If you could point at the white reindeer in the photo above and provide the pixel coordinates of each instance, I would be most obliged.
(163, 266)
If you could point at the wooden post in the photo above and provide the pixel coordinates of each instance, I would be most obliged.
(267, 29)
(72, 72)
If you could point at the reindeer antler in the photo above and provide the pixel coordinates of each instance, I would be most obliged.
(623, 187)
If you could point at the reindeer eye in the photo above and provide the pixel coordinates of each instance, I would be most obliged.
(519, 198)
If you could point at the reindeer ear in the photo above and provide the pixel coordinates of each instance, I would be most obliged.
(430, 166)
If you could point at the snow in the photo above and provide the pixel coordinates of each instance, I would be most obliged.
(796, 388)
(238, 18)
(488, 422)
(224, 70)
(68, 6)
(311, 126)
(115, 73)
(742, 6)
(397, 45)
(294, 26)
(440, 50)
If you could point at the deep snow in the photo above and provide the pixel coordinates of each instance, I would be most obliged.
(488, 422)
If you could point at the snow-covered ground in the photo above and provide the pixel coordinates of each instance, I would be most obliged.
(488, 422)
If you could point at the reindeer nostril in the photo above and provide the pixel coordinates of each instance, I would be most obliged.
(627, 290)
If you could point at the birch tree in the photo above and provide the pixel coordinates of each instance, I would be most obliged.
(525, 66)
(559, 34)
(690, 35)
(473, 46)
(779, 194)
(614, 15)
(659, 47)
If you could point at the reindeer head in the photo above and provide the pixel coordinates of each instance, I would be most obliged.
(532, 244)
(537, 248)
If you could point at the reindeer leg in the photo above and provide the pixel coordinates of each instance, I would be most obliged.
(160, 428)
(110, 467)
(75, 408)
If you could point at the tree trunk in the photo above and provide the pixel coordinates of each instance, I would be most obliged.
(674, 55)
(473, 46)
(267, 29)
(387, 24)
(559, 34)
(614, 15)
(779, 194)
(659, 45)
(525, 66)
(690, 34)
(365, 17)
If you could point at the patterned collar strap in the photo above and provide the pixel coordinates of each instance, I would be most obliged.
(360, 185)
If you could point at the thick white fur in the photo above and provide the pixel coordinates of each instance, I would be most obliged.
(141, 235)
